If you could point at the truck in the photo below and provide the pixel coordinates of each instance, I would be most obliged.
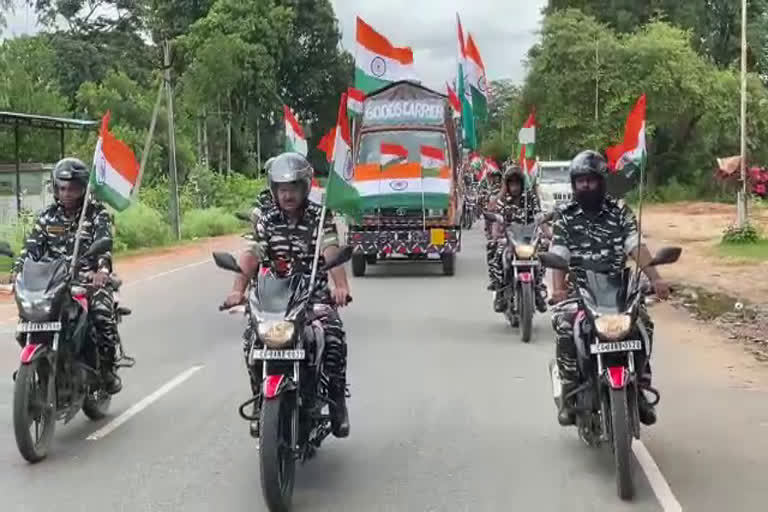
(554, 183)
(407, 214)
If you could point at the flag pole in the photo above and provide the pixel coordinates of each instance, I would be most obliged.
(78, 233)
(640, 215)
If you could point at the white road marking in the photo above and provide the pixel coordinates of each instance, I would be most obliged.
(143, 404)
(658, 483)
(167, 272)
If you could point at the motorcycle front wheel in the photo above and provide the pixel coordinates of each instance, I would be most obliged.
(525, 299)
(34, 418)
(276, 459)
(622, 443)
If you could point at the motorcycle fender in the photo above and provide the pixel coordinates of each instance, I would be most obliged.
(525, 277)
(31, 352)
(618, 376)
(276, 384)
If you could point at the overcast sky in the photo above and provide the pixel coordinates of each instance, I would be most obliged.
(503, 31)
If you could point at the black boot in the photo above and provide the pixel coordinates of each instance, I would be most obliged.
(646, 411)
(112, 383)
(339, 414)
(498, 302)
(566, 416)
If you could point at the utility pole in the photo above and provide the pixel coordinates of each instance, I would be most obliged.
(597, 80)
(229, 143)
(174, 184)
(258, 141)
(742, 200)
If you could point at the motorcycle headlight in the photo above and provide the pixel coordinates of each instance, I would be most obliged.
(612, 327)
(276, 334)
(524, 251)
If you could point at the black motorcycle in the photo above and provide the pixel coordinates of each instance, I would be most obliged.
(608, 339)
(468, 214)
(61, 369)
(521, 267)
(288, 352)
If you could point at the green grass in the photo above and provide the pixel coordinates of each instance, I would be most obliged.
(746, 252)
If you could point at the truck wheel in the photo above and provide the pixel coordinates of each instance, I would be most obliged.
(358, 265)
(449, 263)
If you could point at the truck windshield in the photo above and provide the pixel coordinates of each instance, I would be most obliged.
(554, 175)
(370, 144)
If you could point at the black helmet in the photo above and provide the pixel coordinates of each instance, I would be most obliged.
(588, 163)
(69, 169)
(290, 168)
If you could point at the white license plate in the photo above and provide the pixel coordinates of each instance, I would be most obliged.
(525, 263)
(616, 346)
(39, 327)
(285, 355)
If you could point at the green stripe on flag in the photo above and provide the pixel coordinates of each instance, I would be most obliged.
(410, 200)
(341, 197)
(430, 173)
(368, 83)
(106, 195)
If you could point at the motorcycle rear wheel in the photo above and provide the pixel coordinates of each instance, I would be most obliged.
(622, 443)
(30, 406)
(276, 460)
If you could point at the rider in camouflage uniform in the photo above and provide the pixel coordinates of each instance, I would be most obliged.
(488, 191)
(595, 227)
(54, 236)
(284, 241)
(516, 205)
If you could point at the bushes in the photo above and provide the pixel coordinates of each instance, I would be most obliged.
(140, 226)
(208, 222)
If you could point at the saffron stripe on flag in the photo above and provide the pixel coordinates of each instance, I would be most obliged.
(368, 38)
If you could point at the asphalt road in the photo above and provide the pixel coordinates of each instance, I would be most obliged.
(450, 412)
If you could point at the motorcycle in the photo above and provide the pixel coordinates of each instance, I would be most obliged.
(608, 338)
(61, 369)
(520, 267)
(292, 416)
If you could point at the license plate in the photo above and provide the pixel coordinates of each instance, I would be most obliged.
(616, 346)
(525, 263)
(285, 355)
(39, 327)
(437, 236)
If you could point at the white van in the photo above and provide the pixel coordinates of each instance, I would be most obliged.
(554, 183)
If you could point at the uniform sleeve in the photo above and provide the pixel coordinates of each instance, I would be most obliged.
(629, 230)
(330, 236)
(535, 203)
(102, 228)
(35, 244)
(260, 239)
(560, 237)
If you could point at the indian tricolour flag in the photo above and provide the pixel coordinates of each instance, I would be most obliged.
(294, 136)
(432, 161)
(477, 80)
(392, 154)
(527, 139)
(340, 192)
(378, 62)
(115, 169)
(465, 92)
(631, 153)
(355, 99)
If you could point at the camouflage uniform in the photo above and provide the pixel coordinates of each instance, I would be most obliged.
(485, 193)
(606, 237)
(513, 209)
(285, 248)
(54, 237)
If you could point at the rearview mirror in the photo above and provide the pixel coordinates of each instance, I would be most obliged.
(552, 260)
(227, 262)
(493, 217)
(100, 246)
(344, 256)
(243, 216)
(666, 255)
(5, 249)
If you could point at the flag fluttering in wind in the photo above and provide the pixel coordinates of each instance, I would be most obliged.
(326, 144)
(340, 194)
(392, 154)
(453, 99)
(630, 154)
(477, 81)
(378, 62)
(355, 99)
(465, 93)
(527, 140)
(294, 135)
(432, 161)
(115, 169)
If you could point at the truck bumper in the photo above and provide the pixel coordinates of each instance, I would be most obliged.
(404, 241)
